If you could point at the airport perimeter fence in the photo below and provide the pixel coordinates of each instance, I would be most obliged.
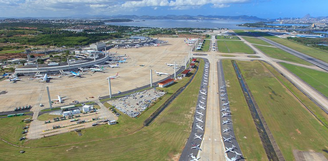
(167, 102)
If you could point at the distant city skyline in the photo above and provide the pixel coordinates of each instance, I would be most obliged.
(76, 8)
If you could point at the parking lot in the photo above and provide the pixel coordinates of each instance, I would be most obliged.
(134, 104)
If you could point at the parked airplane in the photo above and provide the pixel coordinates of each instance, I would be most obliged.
(97, 69)
(161, 73)
(225, 104)
(122, 61)
(199, 120)
(201, 102)
(226, 122)
(60, 99)
(15, 79)
(201, 107)
(113, 77)
(200, 113)
(114, 66)
(194, 146)
(225, 109)
(235, 158)
(199, 127)
(225, 114)
(45, 78)
(198, 137)
(223, 94)
(83, 69)
(75, 74)
(194, 158)
(101, 66)
(226, 130)
(227, 139)
(237, 153)
(230, 149)
(222, 87)
(202, 92)
(170, 65)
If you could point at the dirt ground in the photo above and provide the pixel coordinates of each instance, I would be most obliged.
(131, 75)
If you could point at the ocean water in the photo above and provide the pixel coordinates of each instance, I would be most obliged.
(183, 24)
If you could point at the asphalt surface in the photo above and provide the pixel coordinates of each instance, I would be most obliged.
(225, 109)
(199, 119)
(314, 61)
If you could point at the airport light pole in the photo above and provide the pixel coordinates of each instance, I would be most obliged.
(50, 103)
(110, 88)
(175, 74)
(151, 78)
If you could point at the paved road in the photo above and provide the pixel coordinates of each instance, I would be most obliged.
(305, 57)
(212, 146)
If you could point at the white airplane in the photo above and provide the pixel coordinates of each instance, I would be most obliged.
(237, 153)
(60, 99)
(170, 65)
(199, 127)
(201, 107)
(230, 149)
(113, 77)
(227, 139)
(114, 66)
(201, 92)
(226, 122)
(225, 114)
(225, 104)
(101, 66)
(83, 69)
(201, 102)
(226, 130)
(199, 120)
(222, 90)
(198, 137)
(223, 94)
(97, 69)
(15, 79)
(194, 158)
(225, 109)
(222, 87)
(235, 158)
(45, 78)
(199, 113)
(194, 146)
(161, 73)
(203, 98)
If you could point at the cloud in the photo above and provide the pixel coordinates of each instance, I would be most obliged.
(181, 4)
(92, 7)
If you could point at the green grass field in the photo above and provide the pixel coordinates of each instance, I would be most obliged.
(164, 139)
(11, 129)
(282, 55)
(227, 37)
(11, 51)
(222, 47)
(206, 46)
(243, 124)
(317, 79)
(292, 126)
(234, 47)
(316, 53)
(254, 41)
(46, 117)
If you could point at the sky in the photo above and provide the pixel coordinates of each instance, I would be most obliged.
(67, 8)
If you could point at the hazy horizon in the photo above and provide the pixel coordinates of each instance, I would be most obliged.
(266, 9)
